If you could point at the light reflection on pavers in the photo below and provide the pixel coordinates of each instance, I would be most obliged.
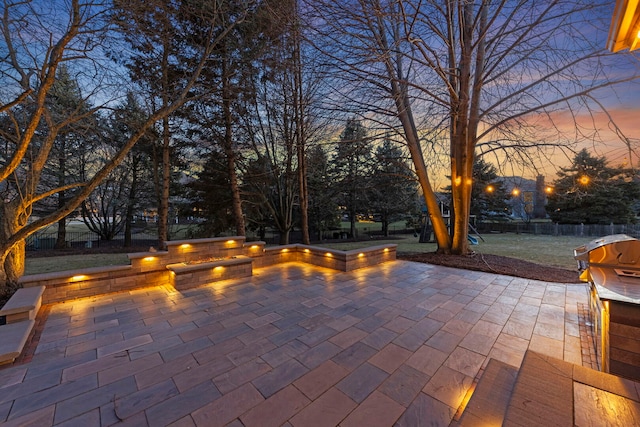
(395, 343)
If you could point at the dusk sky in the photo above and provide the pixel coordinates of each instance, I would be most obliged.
(621, 126)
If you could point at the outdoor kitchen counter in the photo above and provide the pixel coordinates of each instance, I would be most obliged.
(616, 284)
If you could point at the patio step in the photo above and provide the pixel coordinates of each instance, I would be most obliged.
(18, 319)
(14, 337)
(491, 396)
(550, 392)
(543, 393)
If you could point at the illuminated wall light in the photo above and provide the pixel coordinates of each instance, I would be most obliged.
(329, 254)
(185, 246)
(79, 277)
(386, 249)
(458, 180)
(284, 250)
(218, 268)
(254, 246)
(360, 255)
(231, 242)
(149, 258)
(306, 251)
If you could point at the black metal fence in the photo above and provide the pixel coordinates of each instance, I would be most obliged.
(88, 240)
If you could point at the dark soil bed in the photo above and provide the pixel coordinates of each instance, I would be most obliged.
(498, 265)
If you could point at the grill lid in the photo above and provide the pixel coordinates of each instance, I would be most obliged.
(615, 250)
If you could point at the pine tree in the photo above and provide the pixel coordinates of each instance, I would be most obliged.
(591, 192)
(393, 191)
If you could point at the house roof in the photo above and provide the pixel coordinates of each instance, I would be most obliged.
(624, 32)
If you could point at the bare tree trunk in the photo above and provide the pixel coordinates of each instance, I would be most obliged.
(163, 208)
(230, 154)
(62, 224)
(12, 261)
(163, 202)
(61, 238)
(299, 111)
(131, 202)
(405, 115)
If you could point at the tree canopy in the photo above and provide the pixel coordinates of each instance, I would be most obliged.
(472, 77)
(592, 192)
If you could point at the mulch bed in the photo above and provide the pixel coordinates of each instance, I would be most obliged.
(498, 265)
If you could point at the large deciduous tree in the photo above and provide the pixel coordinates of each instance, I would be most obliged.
(474, 75)
(38, 37)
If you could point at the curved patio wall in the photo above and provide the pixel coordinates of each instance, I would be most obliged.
(151, 268)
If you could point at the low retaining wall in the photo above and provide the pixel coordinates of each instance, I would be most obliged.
(185, 275)
(156, 268)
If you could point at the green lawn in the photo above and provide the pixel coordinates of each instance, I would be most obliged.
(541, 249)
(72, 262)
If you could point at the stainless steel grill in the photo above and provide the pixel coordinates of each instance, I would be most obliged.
(611, 265)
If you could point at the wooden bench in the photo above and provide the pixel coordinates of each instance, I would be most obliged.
(19, 314)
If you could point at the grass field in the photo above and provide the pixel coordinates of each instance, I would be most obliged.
(541, 249)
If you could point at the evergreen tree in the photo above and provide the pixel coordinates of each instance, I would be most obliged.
(489, 195)
(591, 192)
(393, 193)
(323, 208)
(210, 195)
(352, 170)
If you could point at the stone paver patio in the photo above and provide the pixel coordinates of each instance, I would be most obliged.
(396, 344)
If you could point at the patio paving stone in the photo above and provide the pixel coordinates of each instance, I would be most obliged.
(295, 345)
